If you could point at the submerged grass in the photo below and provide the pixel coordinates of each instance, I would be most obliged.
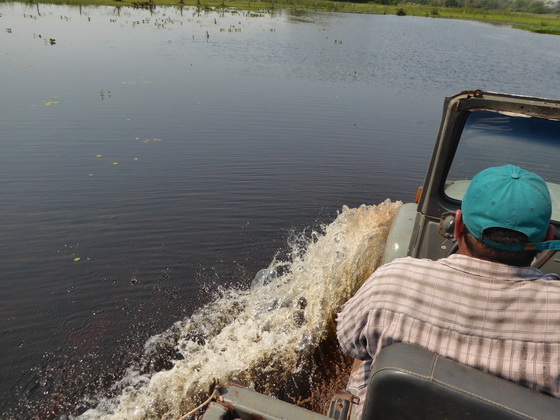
(539, 23)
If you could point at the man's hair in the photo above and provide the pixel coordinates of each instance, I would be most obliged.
(503, 236)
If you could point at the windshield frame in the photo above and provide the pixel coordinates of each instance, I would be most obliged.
(456, 111)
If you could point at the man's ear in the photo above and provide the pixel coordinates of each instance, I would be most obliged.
(551, 233)
(459, 231)
(459, 227)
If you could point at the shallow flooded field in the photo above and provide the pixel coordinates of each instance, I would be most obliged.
(154, 162)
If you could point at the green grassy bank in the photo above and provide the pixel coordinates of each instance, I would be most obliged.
(540, 23)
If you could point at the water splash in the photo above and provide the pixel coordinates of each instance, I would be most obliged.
(258, 337)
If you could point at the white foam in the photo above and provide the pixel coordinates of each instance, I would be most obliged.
(261, 333)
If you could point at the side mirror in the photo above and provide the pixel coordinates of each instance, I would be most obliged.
(447, 225)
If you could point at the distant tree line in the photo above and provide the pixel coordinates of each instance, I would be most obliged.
(530, 6)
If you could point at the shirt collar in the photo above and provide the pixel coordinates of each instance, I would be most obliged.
(490, 269)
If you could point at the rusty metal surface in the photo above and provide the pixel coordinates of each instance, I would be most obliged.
(237, 401)
(217, 411)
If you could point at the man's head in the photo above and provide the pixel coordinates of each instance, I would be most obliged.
(507, 210)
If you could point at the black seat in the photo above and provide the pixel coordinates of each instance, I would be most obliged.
(409, 382)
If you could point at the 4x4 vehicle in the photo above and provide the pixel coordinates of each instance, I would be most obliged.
(478, 130)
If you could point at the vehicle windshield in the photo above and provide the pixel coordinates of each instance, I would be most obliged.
(493, 139)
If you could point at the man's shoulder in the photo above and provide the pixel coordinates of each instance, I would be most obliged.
(410, 268)
(405, 269)
(466, 267)
(405, 262)
(453, 260)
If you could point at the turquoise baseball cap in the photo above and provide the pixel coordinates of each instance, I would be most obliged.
(512, 198)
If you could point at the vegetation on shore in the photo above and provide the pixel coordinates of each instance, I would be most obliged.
(507, 12)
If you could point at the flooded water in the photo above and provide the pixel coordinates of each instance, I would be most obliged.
(154, 162)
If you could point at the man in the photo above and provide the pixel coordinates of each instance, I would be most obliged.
(484, 306)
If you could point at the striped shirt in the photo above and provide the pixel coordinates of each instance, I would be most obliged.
(501, 319)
